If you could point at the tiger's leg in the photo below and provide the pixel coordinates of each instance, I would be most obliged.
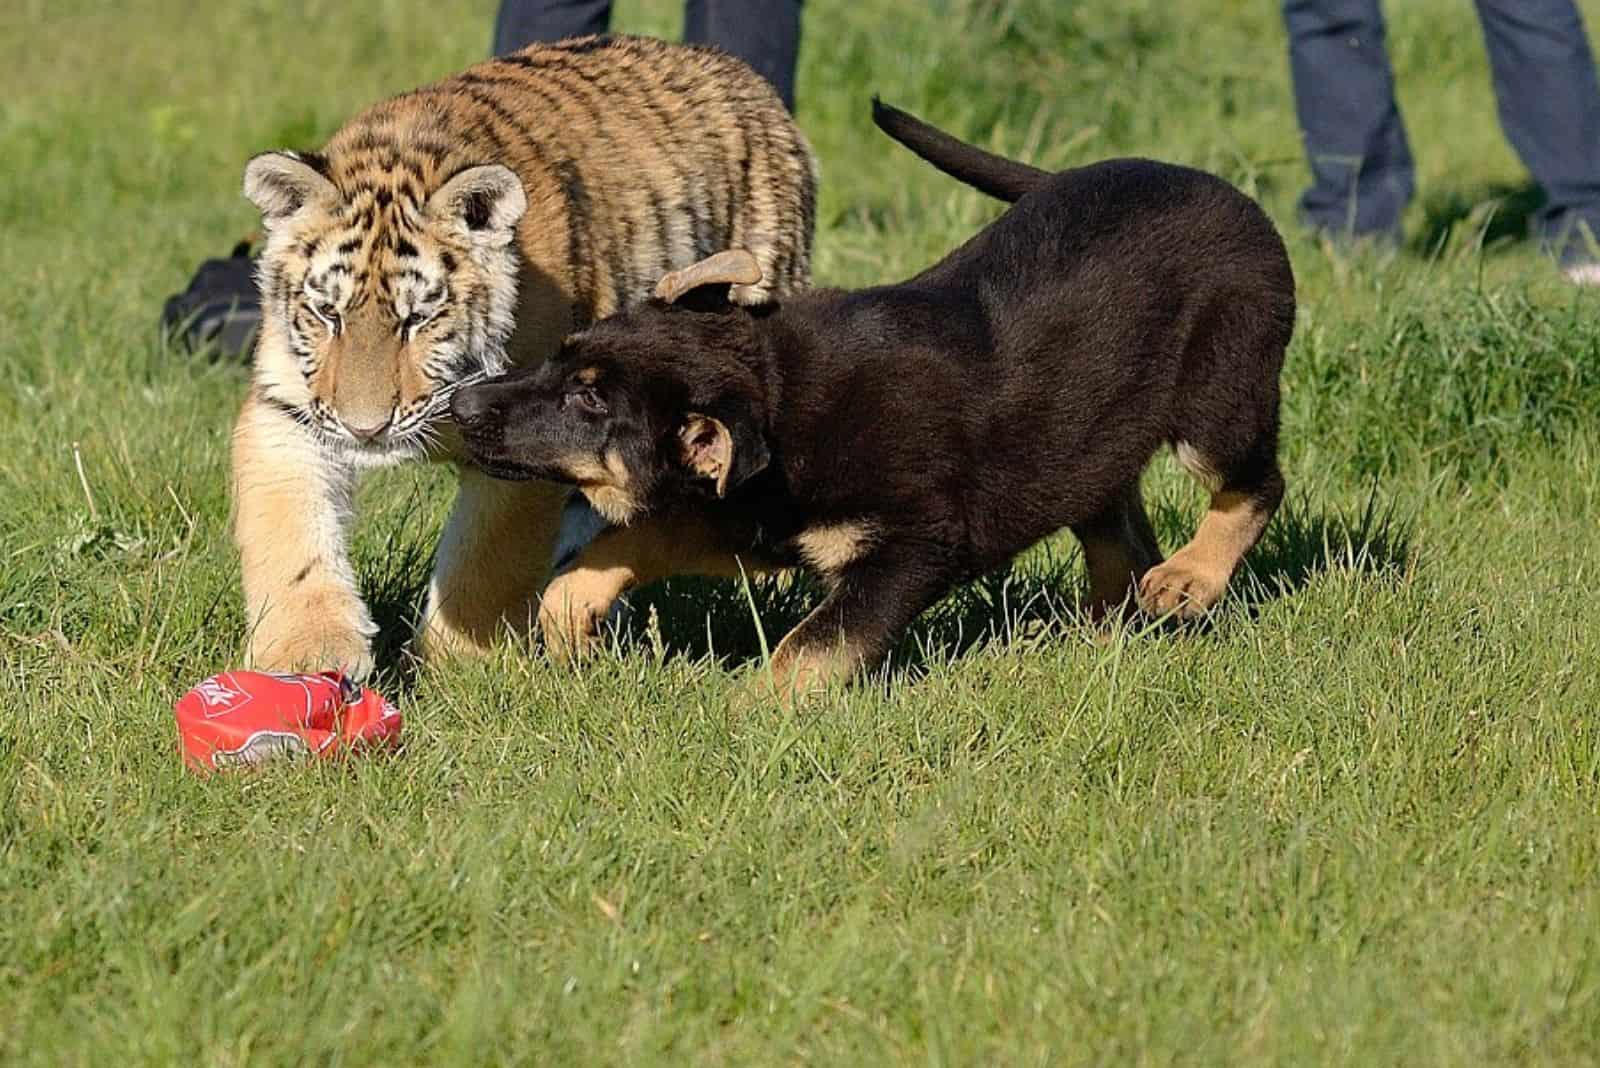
(624, 558)
(291, 513)
(493, 555)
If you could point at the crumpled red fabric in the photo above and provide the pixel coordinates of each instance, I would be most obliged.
(244, 718)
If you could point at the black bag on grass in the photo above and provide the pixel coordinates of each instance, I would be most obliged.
(221, 309)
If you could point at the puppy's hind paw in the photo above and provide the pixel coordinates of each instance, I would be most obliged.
(1180, 591)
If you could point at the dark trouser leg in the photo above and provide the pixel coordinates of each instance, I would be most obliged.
(520, 23)
(763, 33)
(1344, 97)
(1549, 103)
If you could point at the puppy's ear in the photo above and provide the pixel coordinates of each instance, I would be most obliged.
(725, 455)
(705, 286)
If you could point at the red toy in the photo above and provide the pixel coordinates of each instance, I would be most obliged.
(242, 718)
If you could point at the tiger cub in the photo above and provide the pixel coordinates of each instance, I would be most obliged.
(450, 232)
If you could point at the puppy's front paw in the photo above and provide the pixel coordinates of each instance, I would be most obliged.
(1180, 590)
(761, 692)
(319, 632)
(570, 616)
(796, 676)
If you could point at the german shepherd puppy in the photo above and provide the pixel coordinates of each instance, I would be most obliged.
(901, 439)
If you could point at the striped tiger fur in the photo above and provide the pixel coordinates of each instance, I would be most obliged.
(444, 234)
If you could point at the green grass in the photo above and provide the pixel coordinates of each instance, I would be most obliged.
(1356, 820)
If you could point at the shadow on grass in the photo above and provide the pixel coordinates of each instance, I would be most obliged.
(698, 618)
(1303, 542)
(1489, 215)
(394, 581)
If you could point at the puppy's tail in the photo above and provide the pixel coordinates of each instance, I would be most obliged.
(1002, 178)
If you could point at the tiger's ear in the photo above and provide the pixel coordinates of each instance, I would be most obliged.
(725, 456)
(485, 201)
(281, 183)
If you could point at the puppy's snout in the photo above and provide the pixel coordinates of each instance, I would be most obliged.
(472, 407)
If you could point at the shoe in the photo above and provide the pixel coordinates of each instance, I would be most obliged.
(221, 309)
(1341, 243)
(1583, 274)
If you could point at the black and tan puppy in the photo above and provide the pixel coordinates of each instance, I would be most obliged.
(900, 439)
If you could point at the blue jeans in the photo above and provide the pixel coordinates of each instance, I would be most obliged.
(1362, 173)
(763, 33)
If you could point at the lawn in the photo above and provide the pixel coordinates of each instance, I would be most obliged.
(1356, 820)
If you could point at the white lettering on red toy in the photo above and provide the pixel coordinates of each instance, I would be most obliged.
(261, 747)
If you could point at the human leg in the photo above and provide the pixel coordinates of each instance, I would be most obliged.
(520, 23)
(763, 33)
(1549, 104)
(1362, 174)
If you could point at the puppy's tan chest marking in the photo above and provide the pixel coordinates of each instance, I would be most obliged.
(831, 547)
(605, 483)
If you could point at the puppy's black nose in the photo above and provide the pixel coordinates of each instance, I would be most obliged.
(472, 406)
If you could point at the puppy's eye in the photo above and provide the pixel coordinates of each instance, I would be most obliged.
(587, 399)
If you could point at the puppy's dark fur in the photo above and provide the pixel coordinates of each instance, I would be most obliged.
(900, 439)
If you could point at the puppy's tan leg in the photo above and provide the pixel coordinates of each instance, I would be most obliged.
(1190, 583)
(625, 558)
(803, 667)
(291, 511)
(1118, 548)
(873, 599)
(493, 555)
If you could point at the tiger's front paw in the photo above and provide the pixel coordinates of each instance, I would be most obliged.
(323, 631)
(444, 635)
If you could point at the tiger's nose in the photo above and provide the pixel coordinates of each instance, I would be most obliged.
(364, 433)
